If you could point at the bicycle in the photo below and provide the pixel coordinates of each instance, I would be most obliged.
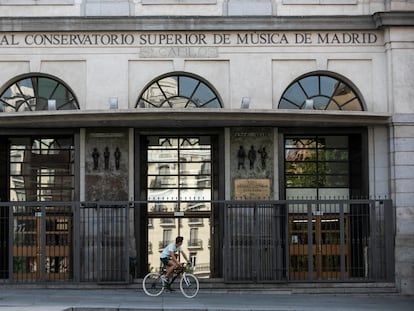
(153, 285)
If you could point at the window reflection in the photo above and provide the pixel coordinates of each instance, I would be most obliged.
(317, 162)
(179, 169)
(32, 94)
(196, 233)
(41, 169)
(322, 92)
(179, 181)
(179, 91)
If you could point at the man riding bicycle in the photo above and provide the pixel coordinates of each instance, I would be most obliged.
(169, 258)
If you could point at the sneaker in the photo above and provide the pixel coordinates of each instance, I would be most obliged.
(169, 288)
(164, 279)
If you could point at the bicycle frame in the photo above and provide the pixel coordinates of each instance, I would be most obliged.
(153, 286)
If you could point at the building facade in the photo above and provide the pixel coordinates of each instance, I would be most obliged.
(281, 129)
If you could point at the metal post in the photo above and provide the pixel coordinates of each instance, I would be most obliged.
(98, 263)
(310, 243)
(373, 246)
(43, 243)
(342, 239)
(76, 240)
(389, 236)
(11, 238)
(126, 241)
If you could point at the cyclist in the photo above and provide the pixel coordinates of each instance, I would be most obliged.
(169, 258)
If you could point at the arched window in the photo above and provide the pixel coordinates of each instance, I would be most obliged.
(178, 91)
(320, 92)
(37, 92)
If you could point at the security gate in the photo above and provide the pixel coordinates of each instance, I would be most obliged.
(308, 240)
(263, 241)
(255, 236)
(104, 233)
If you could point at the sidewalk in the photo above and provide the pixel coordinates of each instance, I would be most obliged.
(131, 299)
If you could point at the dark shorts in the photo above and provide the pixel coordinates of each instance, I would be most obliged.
(165, 260)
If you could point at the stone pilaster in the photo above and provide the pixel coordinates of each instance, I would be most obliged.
(402, 190)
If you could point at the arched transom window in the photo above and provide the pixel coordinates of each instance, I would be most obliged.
(179, 91)
(36, 92)
(320, 92)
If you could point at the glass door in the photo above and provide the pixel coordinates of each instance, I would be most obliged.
(41, 169)
(323, 245)
(320, 167)
(179, 193)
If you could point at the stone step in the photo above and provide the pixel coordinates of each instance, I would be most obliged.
(362, 288)
(219, 286)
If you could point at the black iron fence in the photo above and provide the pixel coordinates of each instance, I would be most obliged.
(262, 241)
(309, 240)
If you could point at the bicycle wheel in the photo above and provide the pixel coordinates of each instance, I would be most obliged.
(152, 284)
(189, 285)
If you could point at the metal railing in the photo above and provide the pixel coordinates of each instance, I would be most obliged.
(309, 240)
(262, 241)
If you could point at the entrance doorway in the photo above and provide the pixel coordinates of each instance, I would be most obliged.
(322, 236)
(42, 243)
(318, 249)
(179, 178)
(37, 169)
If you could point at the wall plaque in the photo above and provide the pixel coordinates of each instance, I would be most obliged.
(252, 189)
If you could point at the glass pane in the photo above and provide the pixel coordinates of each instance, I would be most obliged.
(154, 95)
(191, 155)
(333, 155)
(31, 94)
(284, 104)
(354, 105)
(196, 168)
(196, 206)
(334, 181)
(164, 155)
(41, 170)
(196, 242)
(195, 182)
(320, 102)
(179, 92)
(162, 168)
(310, 85)
(169, 86)
(202, 194)
(163, 194)
(295, 94)
(332, 105)
(187, 86)
(162, 207)
(176, 102)
(46, 87)
(203, 94)
(162, 182)
(300, 154)
(335, 141)
(328, 85)
(212, 104)
(296, 181)
(301, 168)
(144, 104)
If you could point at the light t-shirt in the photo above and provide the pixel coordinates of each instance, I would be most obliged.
(170, 248)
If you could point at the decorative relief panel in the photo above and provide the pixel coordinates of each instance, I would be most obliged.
(251, 161)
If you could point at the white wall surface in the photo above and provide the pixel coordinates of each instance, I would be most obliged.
(198, 7)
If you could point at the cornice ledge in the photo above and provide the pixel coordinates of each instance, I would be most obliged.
(190, 117)
(187, 23)
(394, 18)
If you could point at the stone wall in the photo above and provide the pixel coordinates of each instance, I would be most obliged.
(402, 189)
(106, 169)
